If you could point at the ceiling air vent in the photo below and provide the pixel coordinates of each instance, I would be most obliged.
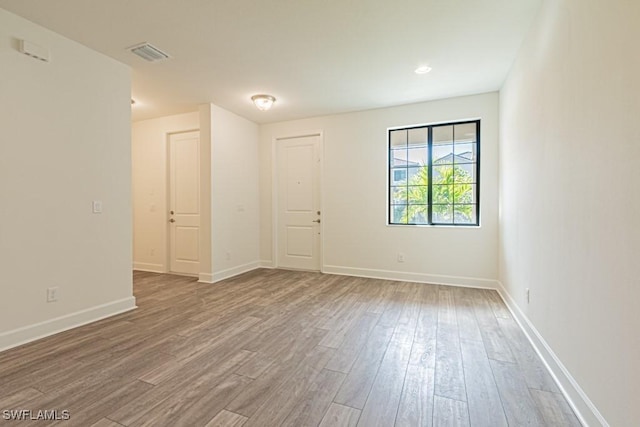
(149, 52)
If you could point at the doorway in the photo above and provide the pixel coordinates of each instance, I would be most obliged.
(298, 242)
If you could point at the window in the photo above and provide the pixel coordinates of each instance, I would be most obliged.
(434, 174)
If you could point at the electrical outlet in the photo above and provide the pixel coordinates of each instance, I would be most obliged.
(528, 295)
(97, 206)
(52, 294)
(400, 257)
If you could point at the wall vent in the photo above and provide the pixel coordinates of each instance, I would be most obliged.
(149, 52)
(34, 51)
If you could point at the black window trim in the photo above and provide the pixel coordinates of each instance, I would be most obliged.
(430, 127)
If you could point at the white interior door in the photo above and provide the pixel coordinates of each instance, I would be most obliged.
(298, 190)
(184, 202)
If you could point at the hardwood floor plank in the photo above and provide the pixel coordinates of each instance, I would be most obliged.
(519, 406)
(227, 419)
(105, 422)
(450, 413)
(408, 320)
(203, 360)
(15, 400)
(483, 399)
(555, 409)
(495, 342)
(423, 351)
(449, 373)
(100, 409)
(446, 306)
(90, 398)
(297, 356)
(194, 407)
(382, 403)
(498, 306)
(340, 416)
(356, 386)
(188, 385)
(468, 328)
(337, 334)
(534, 371)
(356, 338)
(277, 403)
(418, 394)
(316, 400)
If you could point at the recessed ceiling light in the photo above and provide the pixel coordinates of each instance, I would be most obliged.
(263, 102)
(423, 69)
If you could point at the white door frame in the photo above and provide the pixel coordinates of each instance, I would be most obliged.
(167, 232)
(274, 192)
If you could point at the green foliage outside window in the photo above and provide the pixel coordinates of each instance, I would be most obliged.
(452, 195)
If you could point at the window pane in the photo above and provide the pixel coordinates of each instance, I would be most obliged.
(399, 195)
(465, 214)
(465, 153)
(398, 158)
(464, 193)
(417, 214)
(442, 154)
(418, 137)
(417, 176)
(443, 174)
(443, 214)
(398, 214)
(399, 176)
(398, 138)
(464, 173)
(443, 134)
(442, 194)
(417, 156)
(465, 132)
(417, 194)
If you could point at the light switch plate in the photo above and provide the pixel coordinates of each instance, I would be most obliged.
(97, 206)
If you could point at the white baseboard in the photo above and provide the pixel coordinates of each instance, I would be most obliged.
(584, 408)
(36, 331)
(152, 268)
(205, 278)
(230, 272)
(266, 263)
(436, 279)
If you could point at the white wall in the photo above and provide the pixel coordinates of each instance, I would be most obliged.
(150, 203)
(356, 238)
(65, 142)
(570, 147)
(235, 206)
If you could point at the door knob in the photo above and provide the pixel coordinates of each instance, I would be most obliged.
(171, 212)
(317, 220)
(172, 220)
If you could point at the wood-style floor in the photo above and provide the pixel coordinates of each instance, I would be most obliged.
(273, 347)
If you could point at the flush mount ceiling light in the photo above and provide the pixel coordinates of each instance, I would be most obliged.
(423, 69)
(263, 102)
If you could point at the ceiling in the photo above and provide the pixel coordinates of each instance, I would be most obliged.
(316, 57)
